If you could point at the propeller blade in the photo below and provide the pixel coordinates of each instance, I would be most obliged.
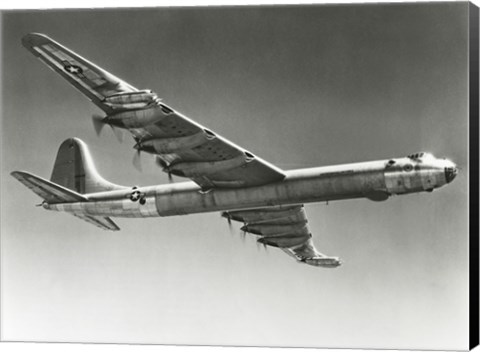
(259, 243)
(118, 133)
(98, 123)
(226, 215)
(244, 236)
(137, 162)
(164, 166)
(160, 162)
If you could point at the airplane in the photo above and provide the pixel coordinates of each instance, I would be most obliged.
(226, 178)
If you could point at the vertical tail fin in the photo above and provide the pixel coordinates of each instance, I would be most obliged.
(74, 169)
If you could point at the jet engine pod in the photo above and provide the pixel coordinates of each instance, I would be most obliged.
(325, 262)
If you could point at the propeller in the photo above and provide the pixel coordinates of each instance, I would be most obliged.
(243, 231)
(161, 163)
(259, 243)
(137, 160)
(118, 133)
(227, 216)
(244, 236)
(100, 121)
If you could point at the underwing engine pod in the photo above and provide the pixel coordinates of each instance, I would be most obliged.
(206, 168)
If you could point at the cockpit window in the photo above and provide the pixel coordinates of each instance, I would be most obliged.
(417, 156)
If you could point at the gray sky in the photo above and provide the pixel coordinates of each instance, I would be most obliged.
(298, 86)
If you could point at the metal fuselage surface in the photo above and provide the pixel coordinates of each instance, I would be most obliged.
(375, 180)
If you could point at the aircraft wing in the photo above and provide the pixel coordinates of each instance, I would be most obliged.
(211, 161)
(285, 227)
(183, 147)
(91, 80)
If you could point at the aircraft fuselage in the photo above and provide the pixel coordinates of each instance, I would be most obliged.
(375, 180)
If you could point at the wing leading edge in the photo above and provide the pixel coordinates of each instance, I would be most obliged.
(284, 227)
(183, 147)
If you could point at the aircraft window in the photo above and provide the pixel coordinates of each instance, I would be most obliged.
(417, 167)
(417, 155)
(391, 162)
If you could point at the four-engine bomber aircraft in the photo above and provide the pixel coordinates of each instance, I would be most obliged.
(267, 200)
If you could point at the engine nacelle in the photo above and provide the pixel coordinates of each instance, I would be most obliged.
(175, 145)
(206, 168)
(135, 118)
(131, 100)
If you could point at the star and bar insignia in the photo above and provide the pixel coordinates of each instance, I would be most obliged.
(73, 69)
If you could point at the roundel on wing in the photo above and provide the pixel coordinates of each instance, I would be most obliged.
(73, 69)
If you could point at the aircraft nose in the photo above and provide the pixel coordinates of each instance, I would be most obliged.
(450, 172)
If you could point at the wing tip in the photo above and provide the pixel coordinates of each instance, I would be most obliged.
(19, 174)
(34, 39)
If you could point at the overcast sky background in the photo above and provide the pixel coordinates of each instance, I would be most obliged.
(298, 86)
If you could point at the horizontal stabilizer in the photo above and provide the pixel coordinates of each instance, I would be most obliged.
(51, 192)
(104, 223)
